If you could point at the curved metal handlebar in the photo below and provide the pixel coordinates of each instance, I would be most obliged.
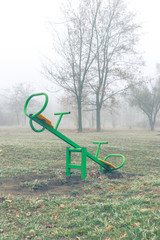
(34, 115)
(116, 155)
(42, 109)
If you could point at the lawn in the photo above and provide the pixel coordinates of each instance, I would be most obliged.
(37, 201)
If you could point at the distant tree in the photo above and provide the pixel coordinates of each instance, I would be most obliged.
(147, 98)
(2, 117)
(16, 99)
(115, 40)
(75, 52)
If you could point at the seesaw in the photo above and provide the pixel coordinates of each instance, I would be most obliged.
(46, 124)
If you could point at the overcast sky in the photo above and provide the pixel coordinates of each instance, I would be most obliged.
(25, 37)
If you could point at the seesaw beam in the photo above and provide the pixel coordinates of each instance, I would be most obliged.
(67, 140)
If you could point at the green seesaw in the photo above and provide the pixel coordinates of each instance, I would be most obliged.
(46, 124)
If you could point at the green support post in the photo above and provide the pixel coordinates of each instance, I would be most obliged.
(83, 163)
(82, 167)
(68, 162)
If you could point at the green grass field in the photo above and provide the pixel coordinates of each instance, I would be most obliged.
(37, 201)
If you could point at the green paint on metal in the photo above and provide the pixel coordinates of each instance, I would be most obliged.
(98, 148)
(76, 147)
(81, 167)
(116, 155)
(60, 117)
(34, 115)
(42, 109)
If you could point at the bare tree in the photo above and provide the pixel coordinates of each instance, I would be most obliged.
(147, 98)
(115, 40)
(2, 110)
(75, 52)
(15, 100)
(94, 56)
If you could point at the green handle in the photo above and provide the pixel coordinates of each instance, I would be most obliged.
(61, 113)
(116, 155)
(42, 109)
(99, 142)
(60, 117)
(34, 115)
(99, 145)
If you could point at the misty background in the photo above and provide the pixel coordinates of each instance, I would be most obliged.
(26, 44)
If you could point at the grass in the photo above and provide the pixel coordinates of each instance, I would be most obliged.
(38, 202)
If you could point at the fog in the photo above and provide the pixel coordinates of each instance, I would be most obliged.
(26, 41)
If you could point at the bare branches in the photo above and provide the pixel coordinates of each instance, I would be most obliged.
(147, 98)
(75, 51)
(114, 41)
(97, 39)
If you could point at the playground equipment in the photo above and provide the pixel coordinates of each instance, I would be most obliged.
(46, 124)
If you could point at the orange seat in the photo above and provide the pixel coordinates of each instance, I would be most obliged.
(46, 120)
(108, 164)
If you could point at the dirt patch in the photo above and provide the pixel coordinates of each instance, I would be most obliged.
(38, 184)
(34, 185)
(115, 175)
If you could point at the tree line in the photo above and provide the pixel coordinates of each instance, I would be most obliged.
(145, 98)
(12, 104)
(96, 60)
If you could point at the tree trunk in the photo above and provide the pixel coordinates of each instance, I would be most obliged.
(25, 120)
(17, 115)
(152, 123)
(98, 113)
(79, 115)
(98, 119)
